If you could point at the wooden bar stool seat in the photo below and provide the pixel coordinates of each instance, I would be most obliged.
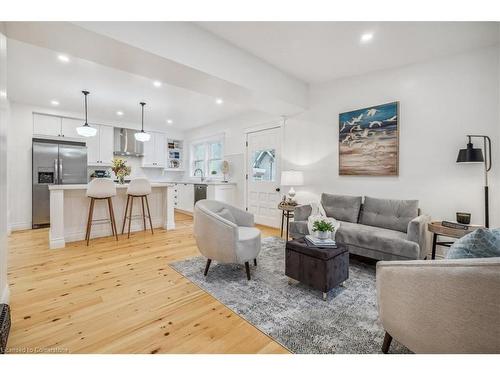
(138, 188)
(101, 189)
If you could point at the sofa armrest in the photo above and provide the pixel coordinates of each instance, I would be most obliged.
(441, 306)
(417, 232)
(302, 212)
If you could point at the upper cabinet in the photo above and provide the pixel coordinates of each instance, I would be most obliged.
(155, 151)
(68, 127)
(100, 147)
(46, 125)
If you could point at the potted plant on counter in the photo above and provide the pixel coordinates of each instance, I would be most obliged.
(322, 229)
(120, 169)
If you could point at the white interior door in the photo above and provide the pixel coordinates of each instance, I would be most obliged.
(263, 175)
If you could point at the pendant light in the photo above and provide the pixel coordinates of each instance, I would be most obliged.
(142, 136)
(86, 130)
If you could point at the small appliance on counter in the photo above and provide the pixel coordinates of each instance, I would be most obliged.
(100, 173)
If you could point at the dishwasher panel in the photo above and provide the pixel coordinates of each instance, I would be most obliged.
(200, 192)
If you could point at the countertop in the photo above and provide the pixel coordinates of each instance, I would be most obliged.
(118, 186)
(202, 183)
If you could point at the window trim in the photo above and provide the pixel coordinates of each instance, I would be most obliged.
(207, 158)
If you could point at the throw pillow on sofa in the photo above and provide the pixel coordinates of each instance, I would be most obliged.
(482, 243)
(341, 207)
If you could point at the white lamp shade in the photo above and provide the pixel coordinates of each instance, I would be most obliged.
(142, 136)
(86, 131)
(292, 178)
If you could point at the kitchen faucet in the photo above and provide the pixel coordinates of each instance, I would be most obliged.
(201, 177)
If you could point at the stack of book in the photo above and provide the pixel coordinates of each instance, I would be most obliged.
(314, 241)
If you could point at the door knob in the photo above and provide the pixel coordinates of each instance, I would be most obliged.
(278, 189)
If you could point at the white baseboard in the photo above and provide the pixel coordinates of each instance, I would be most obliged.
(12, 227)
(5, 297)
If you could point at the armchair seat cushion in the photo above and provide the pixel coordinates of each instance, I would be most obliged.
(248, 244)
(377, 239)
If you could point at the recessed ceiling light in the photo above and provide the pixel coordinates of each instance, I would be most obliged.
(169, 121)
(63, 58)
(156, 83)
(54, 102)
(3, 94)
(119, 113)
(366, 37)
(219, 101)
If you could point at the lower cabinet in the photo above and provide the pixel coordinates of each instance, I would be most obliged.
(184, 197)
(222, 193)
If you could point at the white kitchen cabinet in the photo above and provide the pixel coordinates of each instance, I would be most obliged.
(106, 144)
(155, 151)
(100, 147)
(46, 125)
(185, 197)
(68, 128)
(222, 193)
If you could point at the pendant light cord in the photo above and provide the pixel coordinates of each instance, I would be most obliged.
(142, 119)
(85, 93)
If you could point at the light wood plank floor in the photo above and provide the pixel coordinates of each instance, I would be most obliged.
(119, 297)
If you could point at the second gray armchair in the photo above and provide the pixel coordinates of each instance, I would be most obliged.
(225, 234)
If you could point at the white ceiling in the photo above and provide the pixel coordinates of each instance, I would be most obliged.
(321, 51)
(36, 76)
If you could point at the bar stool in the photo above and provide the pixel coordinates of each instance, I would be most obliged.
(138, 188)
(99, 189)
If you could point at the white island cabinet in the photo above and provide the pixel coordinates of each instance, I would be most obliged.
(69, 207)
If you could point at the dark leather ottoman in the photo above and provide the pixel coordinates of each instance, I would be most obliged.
(320, 268)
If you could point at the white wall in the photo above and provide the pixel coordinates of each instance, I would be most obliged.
(4, 114)
(19, 170)
(440, 102)
(233, 132)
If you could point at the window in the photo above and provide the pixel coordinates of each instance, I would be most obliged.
(207, 157)
(264, 165)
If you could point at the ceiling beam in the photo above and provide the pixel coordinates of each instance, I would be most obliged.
(80, 42)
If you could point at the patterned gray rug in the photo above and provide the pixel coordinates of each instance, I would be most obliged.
(295, 315)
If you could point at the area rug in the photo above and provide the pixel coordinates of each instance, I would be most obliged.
(293, 314)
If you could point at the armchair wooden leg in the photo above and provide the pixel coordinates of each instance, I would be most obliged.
(387, 343)
(247, 267)
(255, 262)
(207, 266)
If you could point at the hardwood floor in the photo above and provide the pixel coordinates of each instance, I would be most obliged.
(119, 297)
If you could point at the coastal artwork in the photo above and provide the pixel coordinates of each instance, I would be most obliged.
(369, 141)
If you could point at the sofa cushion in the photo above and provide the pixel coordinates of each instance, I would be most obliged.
(482, 243)
(389, 213)
(341, 207)
(378, 239)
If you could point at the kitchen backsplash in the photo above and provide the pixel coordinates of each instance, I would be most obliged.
(154, 174)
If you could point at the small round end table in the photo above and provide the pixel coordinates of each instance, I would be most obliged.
(438, 229)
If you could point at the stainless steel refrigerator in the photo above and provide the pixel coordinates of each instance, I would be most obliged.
(54, 163)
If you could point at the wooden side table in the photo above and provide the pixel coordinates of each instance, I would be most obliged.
(286, 213)
(437, 229)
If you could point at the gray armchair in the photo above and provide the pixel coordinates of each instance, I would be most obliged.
(441, 306)
(225, 234)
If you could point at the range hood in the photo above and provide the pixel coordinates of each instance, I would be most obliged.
(126, 144)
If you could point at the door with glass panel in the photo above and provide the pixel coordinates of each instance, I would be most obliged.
(263, 174)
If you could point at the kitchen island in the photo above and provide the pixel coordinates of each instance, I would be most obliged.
(69, 208)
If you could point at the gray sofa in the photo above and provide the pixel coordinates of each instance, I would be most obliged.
(382, 229)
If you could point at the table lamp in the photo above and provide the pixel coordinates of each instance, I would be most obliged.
(475, 155)
(292, 178)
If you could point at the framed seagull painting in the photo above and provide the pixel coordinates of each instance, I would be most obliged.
(369, 141)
